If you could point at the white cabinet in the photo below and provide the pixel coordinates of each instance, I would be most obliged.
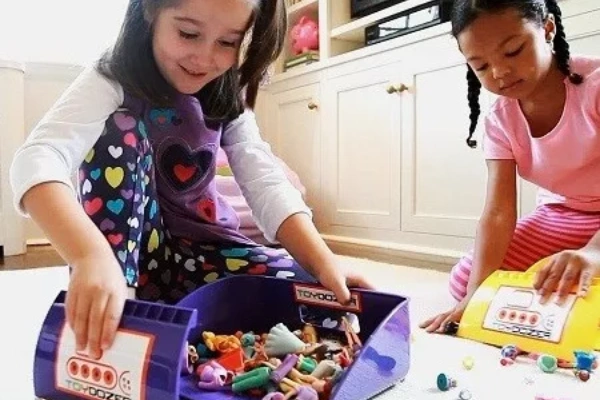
(384, 155)
(294, 128)
(362, 122)
(261, 111)
(443, 180)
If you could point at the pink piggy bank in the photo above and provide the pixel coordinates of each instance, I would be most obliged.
(305, 36)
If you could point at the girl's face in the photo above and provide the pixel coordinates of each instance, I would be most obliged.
(510, 55)
(199, 40)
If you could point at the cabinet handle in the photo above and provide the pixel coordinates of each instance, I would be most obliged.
(312, 105)
(397, 88)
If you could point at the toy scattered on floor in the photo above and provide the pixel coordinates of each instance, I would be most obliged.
(583, 365)
(304, 364)
(540, 397)
(451, 328)
(468, 363)
(507, 309)
(528, 380)
(445, 382)
(464, 395)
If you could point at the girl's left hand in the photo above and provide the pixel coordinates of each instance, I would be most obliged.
(338, 280)
(565, 269)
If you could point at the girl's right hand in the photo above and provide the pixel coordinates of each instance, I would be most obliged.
(94, 302)
(438, 323)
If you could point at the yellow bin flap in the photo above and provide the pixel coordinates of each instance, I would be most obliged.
(506, 310)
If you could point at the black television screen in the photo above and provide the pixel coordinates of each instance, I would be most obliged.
(361, 8)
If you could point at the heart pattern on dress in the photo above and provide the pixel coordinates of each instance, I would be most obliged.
(183, 168)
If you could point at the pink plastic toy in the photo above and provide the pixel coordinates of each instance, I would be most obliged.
(213, 377)
(305, 35)
(540, 397)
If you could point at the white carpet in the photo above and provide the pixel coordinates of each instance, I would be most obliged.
(26, 295)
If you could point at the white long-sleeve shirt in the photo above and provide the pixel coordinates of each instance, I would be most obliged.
(59, 143)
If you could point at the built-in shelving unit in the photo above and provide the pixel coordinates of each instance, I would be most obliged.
(340, 35)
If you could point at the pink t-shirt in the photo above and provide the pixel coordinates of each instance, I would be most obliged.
(565, 163)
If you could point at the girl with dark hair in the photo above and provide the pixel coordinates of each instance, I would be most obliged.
(545, 126)
(142, 128)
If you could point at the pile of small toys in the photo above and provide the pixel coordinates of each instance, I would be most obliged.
(583, 365)
(282, 364)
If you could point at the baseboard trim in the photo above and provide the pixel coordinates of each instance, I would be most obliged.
(38, 242)
(393, 253)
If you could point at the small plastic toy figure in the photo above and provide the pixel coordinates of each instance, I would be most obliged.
(445, 383)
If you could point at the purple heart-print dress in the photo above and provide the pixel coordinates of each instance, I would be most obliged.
(149, 185)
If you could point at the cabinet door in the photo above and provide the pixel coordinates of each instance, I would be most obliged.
(261, 110)
(443, 179)
(362, 149)
(294, 128)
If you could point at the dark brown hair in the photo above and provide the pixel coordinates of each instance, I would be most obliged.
(131, 62)
(464, 12)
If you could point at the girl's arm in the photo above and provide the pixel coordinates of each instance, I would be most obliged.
(264, 184)
(97, 287)
(594, 243)
(43, 168)
(42, 181)
(71, 232)
(300, 237)
(61, 140)
(497, 223)
(278, 207)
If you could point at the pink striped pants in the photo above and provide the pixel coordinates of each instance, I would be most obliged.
(548, 230)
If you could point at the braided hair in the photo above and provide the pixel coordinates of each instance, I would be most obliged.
(464, 12)
(473, 97)
(561, 46)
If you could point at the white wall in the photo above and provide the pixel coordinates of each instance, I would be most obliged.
(63, 31)
(52, 39)
(12, 110)
(44, 83)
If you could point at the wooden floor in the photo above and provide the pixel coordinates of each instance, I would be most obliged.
(36, 256)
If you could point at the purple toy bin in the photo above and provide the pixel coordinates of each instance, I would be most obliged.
(149, 354)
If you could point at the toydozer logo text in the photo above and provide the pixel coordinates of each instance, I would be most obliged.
(325, 298)
(94, 392)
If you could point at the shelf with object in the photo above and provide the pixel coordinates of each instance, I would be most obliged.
(303, 39)
(395, 21)
(342, 35)
(344, 27)
(298, 8)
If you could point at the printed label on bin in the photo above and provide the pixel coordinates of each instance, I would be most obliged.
(119, 374)
(518, 311)
(325, 298)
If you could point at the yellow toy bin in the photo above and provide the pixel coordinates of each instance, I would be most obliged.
(506, 309)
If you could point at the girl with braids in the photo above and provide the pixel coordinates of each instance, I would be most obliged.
(142, 128)
(545, 126)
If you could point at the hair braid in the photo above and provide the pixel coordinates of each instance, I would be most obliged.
(473, 97)
(561, 46)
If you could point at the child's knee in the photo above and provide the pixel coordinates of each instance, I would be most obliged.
(459, 278)
(462, 269)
